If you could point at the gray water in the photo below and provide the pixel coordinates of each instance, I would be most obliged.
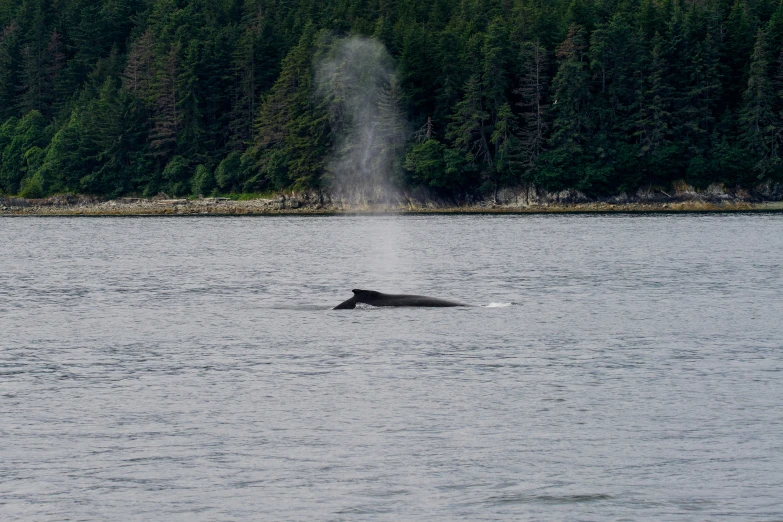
(615, 368)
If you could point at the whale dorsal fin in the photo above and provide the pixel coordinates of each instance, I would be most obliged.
(359, 292)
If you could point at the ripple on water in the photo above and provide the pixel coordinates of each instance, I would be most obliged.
(623, 368)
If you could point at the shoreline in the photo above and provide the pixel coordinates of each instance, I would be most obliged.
(135, 207)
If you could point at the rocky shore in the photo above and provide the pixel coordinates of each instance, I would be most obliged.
(524, 199)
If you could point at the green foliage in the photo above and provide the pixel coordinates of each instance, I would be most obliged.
(176, 175)
(761, 123)
(203, 182)
(228, 174)
(291, 131)
(119, 97)
(18, 138)
(469, 131)
(65, 161)
(33, 186)
(426, 162)
(573, 123)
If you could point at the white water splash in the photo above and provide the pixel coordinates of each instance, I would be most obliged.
(498, 305)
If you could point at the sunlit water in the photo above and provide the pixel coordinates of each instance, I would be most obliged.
(191, 369)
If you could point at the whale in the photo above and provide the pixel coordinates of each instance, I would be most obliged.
(373, 298)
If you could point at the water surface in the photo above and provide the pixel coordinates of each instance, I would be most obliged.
(191, 369)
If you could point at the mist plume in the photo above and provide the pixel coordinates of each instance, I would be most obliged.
(357, 81)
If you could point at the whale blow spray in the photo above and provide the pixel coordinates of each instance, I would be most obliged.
(357, 81)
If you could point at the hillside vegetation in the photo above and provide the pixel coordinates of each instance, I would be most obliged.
(120, 97)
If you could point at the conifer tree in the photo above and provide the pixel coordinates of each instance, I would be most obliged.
(245, 95)
(469, 129)
(774, 28)
(167, 120)
(8, 67)
(615, 61)
(115, 131)
(698, 112)
(66, 161)
(415, 72)
(533, 92)
(20, 136)
(572, 124)
(508, 150)
(654, 124)
(32, 80)
(740, 31)
(291, 133)
(761, 126)
(571, 84)
(191, 133)
(54, 63)
(135, 96)
(495, 67)
(391, 129)
(137, 77)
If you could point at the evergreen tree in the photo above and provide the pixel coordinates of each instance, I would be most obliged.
(203, 181)
(425, 162)
(32, 80)
(246, 88)
(141, 96)
(138, 76)
(469, 131)
(291, 131)
(616, 62)
(114, 139)
(391, 130)
(533, 91)
(17, 139)
(66, 160)
(699, 108)
(565, 164)
(8, 70)
(775, 28)
(167, 119)
(761, 126)
(740, 30)
(508, 149)
(54, 63)
(655, 123)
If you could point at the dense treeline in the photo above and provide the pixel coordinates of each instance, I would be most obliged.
(119, 97)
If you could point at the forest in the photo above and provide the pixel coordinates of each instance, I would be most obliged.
(204, 97)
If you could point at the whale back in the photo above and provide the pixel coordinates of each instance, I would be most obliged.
(373, 298)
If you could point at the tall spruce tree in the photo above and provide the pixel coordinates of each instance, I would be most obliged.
(658, 152)
(291, 133)
(9, 52)
(469, 131)
(566, 161)
(533, 92)
(760, 124)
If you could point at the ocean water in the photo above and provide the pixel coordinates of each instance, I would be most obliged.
(614, 367)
